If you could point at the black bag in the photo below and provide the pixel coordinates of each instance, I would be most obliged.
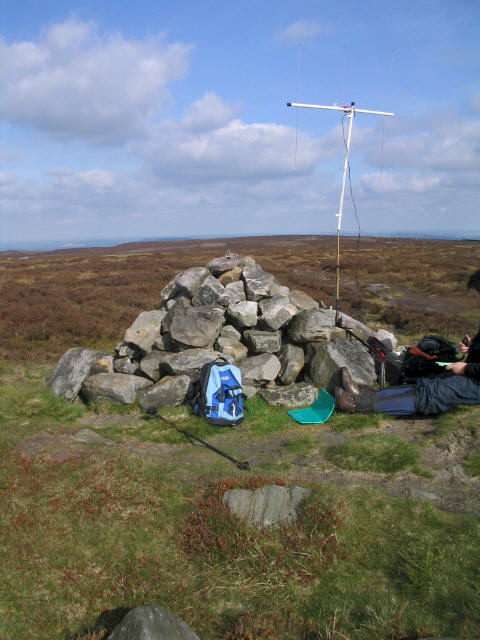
(420, 361)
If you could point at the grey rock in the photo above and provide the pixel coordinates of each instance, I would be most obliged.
(145, 329)
(249, 390)
(231, 276)
(167, 292)
(163, 343)
(236, 291)
(262, 341)
(302, 301)
(151, 622)
(229, 331)
(71, 370)
(326, 359)
(125, 350)
(292, 396)
(375, 287)
(197, 326)
(191, 361)
(152, 364)
(292, 360)
(312, 325)
(217, 266)
(258, 370)
(267, 506)
(243, 314)
(276, 312)
(125, 365)
(170, 391)
(176, 306)
(260, 284)
(87, 436)
(387, 338)
(189, 281)
(211, 293)
(118, 387)
(356, 326)
(234, 348)
(102, 365)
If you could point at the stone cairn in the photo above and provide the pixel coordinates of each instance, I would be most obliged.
(285, 343)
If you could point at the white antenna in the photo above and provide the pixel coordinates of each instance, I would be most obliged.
(350, 113)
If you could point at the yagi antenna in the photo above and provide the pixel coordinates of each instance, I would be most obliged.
(349, 112)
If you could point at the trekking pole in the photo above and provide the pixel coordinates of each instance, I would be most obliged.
(244, 466)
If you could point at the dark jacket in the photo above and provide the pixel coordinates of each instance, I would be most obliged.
(472, 370)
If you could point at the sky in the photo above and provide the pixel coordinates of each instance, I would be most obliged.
(147, 120)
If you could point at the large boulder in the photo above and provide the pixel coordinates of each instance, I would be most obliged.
(211, 293)
(189, 281)
(276, 312)
(236, 291)
(218, 266)
(266, 506)
(243, 314)
(325, 360)
(191, 361)
(293, 396)
(233, 348)
(259, 341)
(292, 360)
(151, 622)
(71, 370)
(170, 391)
(302, 301)
(312, 325)
(145, 329)
(259, 370)
(120, 388)
(260, 284)
(151, 364)
(197, 326)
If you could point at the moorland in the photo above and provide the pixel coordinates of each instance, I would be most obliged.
(105, 508)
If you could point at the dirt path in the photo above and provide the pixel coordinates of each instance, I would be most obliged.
(443, 481)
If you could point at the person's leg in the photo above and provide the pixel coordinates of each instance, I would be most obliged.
(437, 395)
(395, 401)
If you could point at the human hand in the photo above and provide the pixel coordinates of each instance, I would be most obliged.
(457, 367)
(464, 348)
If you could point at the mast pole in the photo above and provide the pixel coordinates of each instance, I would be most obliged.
(349, 111)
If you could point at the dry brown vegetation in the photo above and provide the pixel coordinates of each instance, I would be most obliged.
(51, 301)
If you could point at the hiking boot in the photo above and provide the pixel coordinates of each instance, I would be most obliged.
(347, 383)
(344, 401)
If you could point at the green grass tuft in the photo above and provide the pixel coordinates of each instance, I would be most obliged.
(472, 464)
(375, 452)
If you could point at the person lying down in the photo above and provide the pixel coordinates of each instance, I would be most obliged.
(428, 396)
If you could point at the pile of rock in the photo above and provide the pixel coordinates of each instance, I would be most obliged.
(285, 342)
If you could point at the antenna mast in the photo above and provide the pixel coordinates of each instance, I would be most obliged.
(349, 113)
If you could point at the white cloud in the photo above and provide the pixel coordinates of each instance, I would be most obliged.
(74, 83)
(206, 113)
(303, 30)
(387, 183)
(233, 151)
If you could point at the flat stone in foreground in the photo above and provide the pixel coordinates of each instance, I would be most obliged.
(266, 506)
(152, 622)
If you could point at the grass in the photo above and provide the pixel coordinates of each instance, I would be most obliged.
(374, 452)
(113, 530)
(472, 464)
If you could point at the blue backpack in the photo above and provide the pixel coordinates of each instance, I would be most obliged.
(219, 398)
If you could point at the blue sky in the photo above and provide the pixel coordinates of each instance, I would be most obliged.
(166, 119)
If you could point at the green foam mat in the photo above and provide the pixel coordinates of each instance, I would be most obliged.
(318, 413)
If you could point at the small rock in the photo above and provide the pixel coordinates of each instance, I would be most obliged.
(151, 622)
(292, 360)
(236, 291)
(170, 391)
(231, 276)
(267, 506)
(243, 314)
(189, 282)
(263, 341)
(292, 396)
(88, 436)
(258, 370)
(234, 348)
(145, 329)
